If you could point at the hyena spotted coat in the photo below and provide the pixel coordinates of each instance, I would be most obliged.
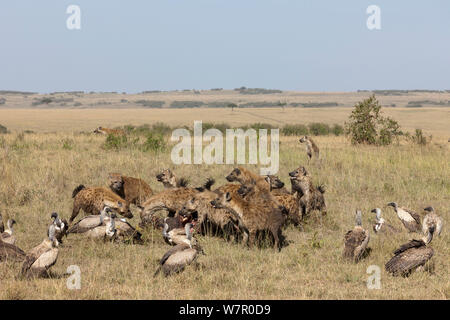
(253, 217)
(92, 201)
(311, 147)
(210, 220)
(133, 190)
(170, 180)
(171, 200)
(107, 131)
(311, 197)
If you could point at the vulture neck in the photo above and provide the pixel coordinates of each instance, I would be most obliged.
(427, 239)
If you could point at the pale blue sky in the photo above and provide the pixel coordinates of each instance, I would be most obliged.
(184, 44)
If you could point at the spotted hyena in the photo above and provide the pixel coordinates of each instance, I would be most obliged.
(92, 200)
(311, 147)
(107, 131)
(253, 217)
(133, 190)
(311, 197)
(170, 180)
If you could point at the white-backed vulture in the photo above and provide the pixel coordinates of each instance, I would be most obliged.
(381, 226)
(10, 252)
(90, 222)
(177, 258)
(61, 226)
(410, 219)
(42, 257)
(106, 231)
(8, 235)
(356, 240)
(411, 255)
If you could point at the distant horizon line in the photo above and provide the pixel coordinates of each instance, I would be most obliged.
(243, 88)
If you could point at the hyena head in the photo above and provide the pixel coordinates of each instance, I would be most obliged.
(246, 189)
(189, 211)
(122, 207)
(167, 178)
(303, 139)
(235, 175)
(298, 173)
(222, 200)
(190, 206)
(116, 182)
(274, 182)
(98, 130)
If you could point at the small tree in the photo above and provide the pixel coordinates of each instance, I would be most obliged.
(232, 106)
(367, 125)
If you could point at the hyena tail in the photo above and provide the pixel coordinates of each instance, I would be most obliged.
(77, 189)
(207, 185)
(321, 189)
(183, 182)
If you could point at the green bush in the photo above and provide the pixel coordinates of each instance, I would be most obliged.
(337, 129)
(161, 129)
(3, 129)
(418, 138)
(114, 142)
(67, 144)
(319, 129)
(294, 130)
(367, 125)
(154, 143)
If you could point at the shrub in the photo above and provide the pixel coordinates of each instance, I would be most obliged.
(67, 144)
(154, 143)
(161, 128)
(367, 125)
(294, 130)
(319, 129)
(114, 142)
(186, 104)
(337, 129)
(149, 103)
(418, 138)
(2, 101)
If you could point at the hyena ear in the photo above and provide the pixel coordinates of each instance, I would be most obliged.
(228, 196)
(267, 178)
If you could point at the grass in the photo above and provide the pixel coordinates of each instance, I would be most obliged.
(40, 170)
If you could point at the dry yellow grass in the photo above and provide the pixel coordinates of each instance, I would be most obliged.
(37, 176)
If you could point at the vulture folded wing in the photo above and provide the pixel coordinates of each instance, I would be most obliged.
(360, 249)
(11, 252)
(353, 239)
(413, 214)
(85, 224)
(47, 259)
(411, 244)
(179, 260)
(408, 260)
(32, 256)
(171, 251)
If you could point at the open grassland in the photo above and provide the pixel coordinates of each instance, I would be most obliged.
(433, 121)
(39, 171)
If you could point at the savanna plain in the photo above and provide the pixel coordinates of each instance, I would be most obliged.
(40, 168)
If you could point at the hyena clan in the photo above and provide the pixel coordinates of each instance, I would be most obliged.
(311, 147)
(93, 200)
